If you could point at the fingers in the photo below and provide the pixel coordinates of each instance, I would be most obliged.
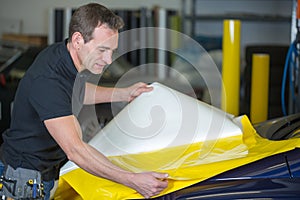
(139, 88)
(150, 184)
(142, 87)
(154, 191)
(161, 183)
(160, 176)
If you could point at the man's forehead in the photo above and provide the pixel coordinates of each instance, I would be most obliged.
(105, 37)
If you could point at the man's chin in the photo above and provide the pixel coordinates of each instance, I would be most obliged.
(96, 71)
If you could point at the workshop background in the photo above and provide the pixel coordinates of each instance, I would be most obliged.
(267, 27)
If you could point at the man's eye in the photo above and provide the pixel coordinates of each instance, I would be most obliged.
(102, 50)
(115, 51)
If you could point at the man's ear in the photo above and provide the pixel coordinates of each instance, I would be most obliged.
(77, 40)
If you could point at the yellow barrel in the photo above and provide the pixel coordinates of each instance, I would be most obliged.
(231, 66)
(259, 87)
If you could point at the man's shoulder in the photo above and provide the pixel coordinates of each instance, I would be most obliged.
(53, 60)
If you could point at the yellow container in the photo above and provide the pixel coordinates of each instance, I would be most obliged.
(259, 87)
(231, 66)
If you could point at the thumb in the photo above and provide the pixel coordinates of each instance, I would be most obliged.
(160, 175)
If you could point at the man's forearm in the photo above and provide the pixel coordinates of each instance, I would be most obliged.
(96, 163)
(97, 94)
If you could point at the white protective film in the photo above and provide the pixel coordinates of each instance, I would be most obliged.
(161, 119)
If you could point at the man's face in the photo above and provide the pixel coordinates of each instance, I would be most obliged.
(97, 53)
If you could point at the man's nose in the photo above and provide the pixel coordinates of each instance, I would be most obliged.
(107, 57)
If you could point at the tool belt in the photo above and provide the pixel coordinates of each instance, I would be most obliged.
(21, 183)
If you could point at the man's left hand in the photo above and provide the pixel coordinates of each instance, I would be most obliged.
(136, 90)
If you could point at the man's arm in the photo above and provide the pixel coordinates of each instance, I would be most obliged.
(96, 94)
(67, 133)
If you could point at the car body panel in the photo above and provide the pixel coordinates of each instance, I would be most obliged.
(273, 177)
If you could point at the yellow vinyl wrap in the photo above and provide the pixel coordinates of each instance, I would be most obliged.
(186, 165)
(231, 66)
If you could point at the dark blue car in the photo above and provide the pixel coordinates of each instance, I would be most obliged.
(274, 177)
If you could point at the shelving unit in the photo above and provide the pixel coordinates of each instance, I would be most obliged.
(193, 17)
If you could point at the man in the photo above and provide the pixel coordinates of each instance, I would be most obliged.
(44, 130)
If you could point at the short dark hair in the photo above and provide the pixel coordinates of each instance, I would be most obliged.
(87, 17)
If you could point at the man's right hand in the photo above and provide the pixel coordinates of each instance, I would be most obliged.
(149, 184)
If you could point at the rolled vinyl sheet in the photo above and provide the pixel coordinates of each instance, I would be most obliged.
(159, 119)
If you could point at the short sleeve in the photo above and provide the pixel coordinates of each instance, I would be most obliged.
(50, 98)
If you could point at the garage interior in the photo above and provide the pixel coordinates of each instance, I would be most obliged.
(268, 27)
(195, 39)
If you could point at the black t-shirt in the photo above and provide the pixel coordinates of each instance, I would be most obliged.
(45, 92)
